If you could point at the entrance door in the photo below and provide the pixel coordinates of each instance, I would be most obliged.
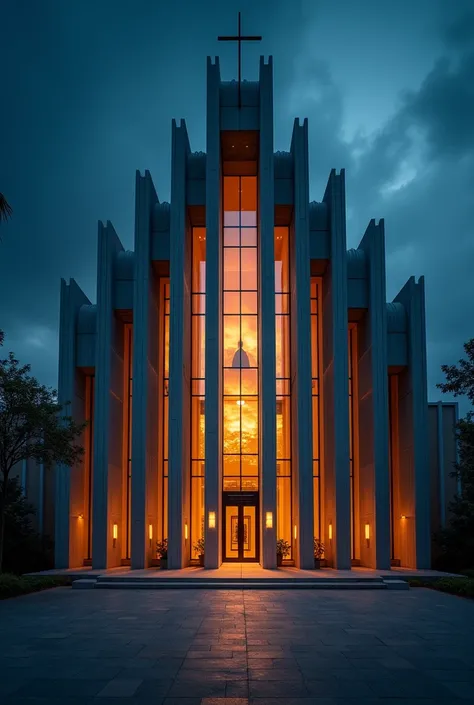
(240, 535)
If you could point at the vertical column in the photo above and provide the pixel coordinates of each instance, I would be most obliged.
(71, 395)
(212, 491)
(374, 508)
(108, 409)
(413, 433)
(302, 446)
(267, 391)
(180, 353)
(335, 383)
(144, 504)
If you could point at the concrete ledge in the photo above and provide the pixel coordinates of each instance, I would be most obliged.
(84, 584)
(396, 584)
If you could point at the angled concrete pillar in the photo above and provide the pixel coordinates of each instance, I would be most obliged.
(414, 480)
(71, 394)
(301, 411)
(108, 410)
(213, 494)
(267, 391)
(373, 426)
(335, 364)
(180, 353)
(144, 482)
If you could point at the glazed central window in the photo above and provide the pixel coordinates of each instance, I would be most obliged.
(240, 334)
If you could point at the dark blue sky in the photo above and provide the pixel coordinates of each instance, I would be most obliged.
(89, 90)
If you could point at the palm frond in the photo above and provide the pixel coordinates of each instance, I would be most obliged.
(5, 208)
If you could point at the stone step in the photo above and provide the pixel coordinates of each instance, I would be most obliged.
(242, 580)
(268, 584)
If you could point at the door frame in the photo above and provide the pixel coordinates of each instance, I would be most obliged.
(241, 500)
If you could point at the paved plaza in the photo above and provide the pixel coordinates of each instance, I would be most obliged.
(206, 647)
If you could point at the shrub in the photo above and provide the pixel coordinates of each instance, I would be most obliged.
(456, 586)
(14, 585)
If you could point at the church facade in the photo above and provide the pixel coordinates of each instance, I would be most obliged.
(244, 379)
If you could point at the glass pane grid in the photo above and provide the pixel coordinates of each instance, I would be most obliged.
(198, 385)
(240, 335)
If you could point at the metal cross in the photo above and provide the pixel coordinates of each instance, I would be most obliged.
(239, 39)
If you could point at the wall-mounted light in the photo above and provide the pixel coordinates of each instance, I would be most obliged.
(185, 532)
(212, 520)
(81, 516)
(403, 516)
(269, 520)
(367, 533)
(295, 532)
(330, 532)
(150, 532)
(114, 534)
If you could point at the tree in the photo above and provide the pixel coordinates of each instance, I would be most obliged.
(24, 549)
(456, 542)
(460, 377)
(31, 426)
(5, 208)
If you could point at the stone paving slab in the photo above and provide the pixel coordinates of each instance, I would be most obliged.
(202, 647)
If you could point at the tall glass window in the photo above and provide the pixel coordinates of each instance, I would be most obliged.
(165, 378)
(283, 382)
(352, 381)
(198, 337)
(240, 334)
(128, 363)
(89, 459)
(315, 367)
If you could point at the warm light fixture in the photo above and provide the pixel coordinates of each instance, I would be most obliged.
(367, 533)
(81, 516)
(295, 532)
(330, 532)
(269, 520)
(114, 533)
(403, 516)
(240, 402)
(150, 531)
(185, 532)
(212, 520)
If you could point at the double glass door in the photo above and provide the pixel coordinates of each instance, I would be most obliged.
(240, 540)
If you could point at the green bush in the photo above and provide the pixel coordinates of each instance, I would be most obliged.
(14, 585)
(456, 586)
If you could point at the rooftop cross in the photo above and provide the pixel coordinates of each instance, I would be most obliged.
(240, 38)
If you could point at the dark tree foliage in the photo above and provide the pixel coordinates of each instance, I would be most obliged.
(456, 542)
(31, 426)
(24, 549)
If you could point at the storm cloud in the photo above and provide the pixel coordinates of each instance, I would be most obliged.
(90, 90)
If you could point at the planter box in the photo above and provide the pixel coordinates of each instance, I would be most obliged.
(317, 563)
(201, 560)
(163, 563)
(279, 560)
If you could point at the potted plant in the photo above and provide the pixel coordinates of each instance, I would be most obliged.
(199, 548)
(162, 553)
(283, 549)
(318, 550)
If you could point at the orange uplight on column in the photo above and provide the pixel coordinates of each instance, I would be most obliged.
(295, 532)
(367, 533)
(185, 532)
(269, 520)
(150, 532)
(330, 532)
(114, 534)
(212, 520)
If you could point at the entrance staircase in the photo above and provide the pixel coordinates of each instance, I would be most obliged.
(155, 581)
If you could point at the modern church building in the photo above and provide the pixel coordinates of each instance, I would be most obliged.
(243, 377)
